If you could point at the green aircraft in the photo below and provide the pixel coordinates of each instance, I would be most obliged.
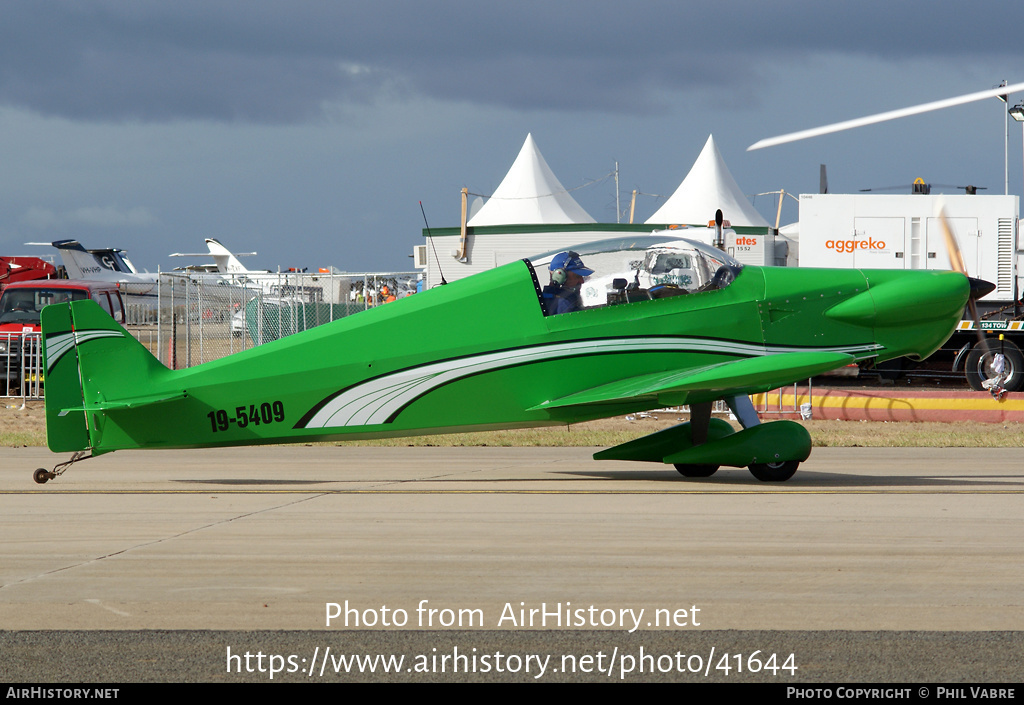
(485, 352)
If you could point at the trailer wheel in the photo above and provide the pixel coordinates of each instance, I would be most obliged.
(978, 367)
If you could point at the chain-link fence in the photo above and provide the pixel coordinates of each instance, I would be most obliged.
(188, 319)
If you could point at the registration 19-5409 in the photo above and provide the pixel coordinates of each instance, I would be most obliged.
(265, 413)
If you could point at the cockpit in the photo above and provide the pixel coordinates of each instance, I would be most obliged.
(626, 270)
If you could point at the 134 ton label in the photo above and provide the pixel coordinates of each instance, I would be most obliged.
(267, 412)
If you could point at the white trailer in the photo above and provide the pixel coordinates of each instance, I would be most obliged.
(869, 231)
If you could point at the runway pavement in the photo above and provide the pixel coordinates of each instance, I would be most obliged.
(890, 541)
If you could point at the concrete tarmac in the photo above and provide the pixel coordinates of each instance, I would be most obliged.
(499, 544)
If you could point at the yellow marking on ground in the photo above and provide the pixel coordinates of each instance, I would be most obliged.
(982, 403)
(768, 489)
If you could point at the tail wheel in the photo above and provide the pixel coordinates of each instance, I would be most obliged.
(696, 470)
(774, 472)
(978, 367)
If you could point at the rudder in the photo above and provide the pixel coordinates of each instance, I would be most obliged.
(65, 430)
(90, 361)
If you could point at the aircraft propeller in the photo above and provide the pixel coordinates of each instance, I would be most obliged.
(979, 288)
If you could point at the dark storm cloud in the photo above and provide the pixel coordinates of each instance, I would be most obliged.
(281, 61)
(157, 61)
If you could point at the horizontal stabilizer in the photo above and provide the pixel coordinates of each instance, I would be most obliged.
(133, 403)
(746, 376)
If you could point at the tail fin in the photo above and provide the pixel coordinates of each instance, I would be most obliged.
(93, 366)
(65, 430)
(225, 259)
(79, 262)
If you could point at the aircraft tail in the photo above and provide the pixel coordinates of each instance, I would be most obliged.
(94, 368)
(225, 259)
(79, 262)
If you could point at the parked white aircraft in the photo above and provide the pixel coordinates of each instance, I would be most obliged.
(224, 261)
(227, 268)
(109, 264)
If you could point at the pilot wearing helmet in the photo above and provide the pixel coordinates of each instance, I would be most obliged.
(562, 295)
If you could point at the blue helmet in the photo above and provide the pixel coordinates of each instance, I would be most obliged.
(569, 262)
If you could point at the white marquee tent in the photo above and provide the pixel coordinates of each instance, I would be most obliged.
(530, 194)
(707, 187)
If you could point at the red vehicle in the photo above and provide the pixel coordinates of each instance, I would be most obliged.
(20, 305)
(16, 269)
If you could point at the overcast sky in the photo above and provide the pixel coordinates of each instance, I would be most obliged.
(310, 130)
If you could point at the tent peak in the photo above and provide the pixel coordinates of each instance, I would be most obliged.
(708, 186)
(530, 193)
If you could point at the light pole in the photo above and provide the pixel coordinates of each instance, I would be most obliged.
(1017, 113)
(1006, 142)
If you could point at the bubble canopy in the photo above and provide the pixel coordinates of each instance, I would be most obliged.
(647, 264)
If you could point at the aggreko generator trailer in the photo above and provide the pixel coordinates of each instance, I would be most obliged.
(905, 232)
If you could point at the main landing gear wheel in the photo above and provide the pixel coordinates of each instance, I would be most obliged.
(774, 472)
(41, 475)
(696, 470)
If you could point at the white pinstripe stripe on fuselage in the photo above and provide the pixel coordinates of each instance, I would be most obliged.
(376, 400)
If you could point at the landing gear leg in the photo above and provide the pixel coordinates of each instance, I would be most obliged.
(700, 421)
(743, 409)
(42, 475)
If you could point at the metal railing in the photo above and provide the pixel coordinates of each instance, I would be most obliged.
(803, 401)
(21, 365)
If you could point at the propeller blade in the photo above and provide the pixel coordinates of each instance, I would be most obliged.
(956, 258)
(979, 287)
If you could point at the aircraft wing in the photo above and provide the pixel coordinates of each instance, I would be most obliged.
(747, 376)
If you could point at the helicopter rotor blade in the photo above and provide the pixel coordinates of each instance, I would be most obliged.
(883, 117)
